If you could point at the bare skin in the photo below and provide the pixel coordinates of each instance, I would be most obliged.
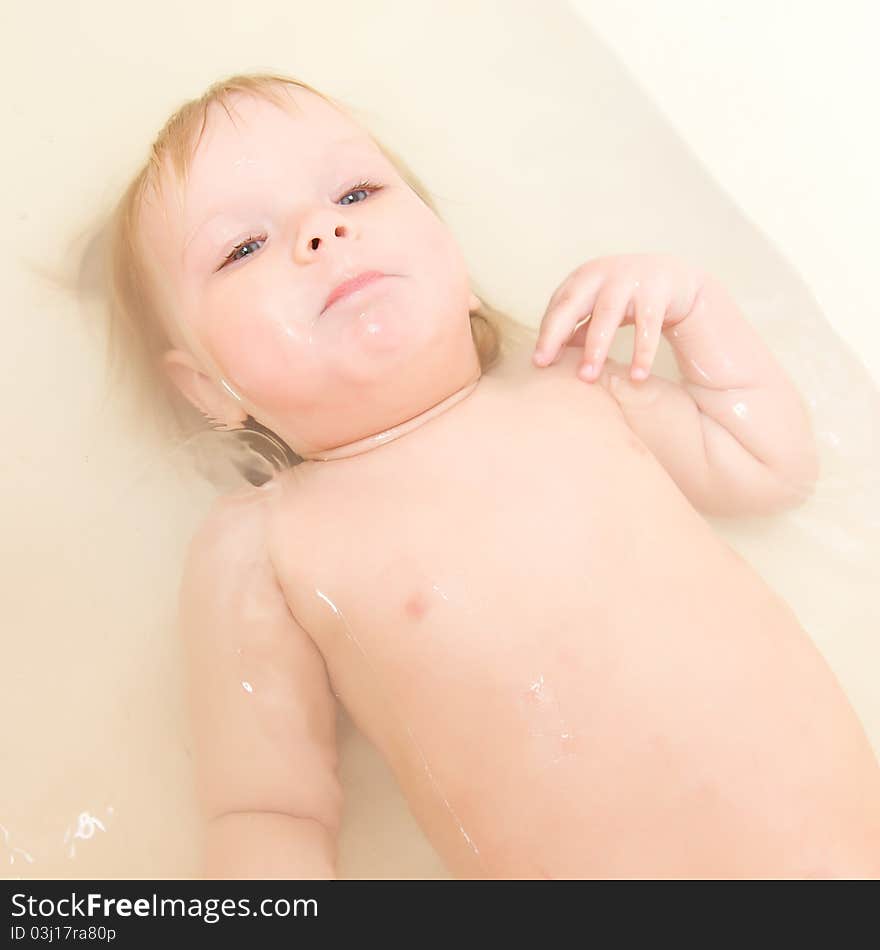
(569, 673)
(518, 599)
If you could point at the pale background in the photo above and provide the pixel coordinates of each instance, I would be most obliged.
(542, 147)
(780, 101)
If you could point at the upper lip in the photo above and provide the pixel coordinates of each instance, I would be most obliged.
(353, 283)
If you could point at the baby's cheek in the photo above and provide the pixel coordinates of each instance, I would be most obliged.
(267, 360)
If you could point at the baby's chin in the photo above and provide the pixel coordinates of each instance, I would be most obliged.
(363, 333)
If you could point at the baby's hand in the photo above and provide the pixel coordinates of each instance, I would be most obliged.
(651, 290)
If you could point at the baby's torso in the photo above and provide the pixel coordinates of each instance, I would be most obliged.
(502, 598)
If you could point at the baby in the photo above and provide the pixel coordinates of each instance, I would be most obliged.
(500, 567)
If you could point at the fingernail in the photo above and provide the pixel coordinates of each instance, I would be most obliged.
(639, 373)
(540, 357)
(587, 371)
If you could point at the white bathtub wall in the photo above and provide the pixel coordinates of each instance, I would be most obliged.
(779, 100)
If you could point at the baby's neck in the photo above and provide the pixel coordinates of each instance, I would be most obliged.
(395, 432)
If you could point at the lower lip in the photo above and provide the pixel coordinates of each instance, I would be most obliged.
(367, 282)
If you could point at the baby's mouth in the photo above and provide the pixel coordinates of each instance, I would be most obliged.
(353, 298)
(354, 286)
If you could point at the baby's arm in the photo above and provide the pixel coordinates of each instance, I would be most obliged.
(262, 713)
(734, 433)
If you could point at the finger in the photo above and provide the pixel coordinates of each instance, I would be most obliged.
(650, 311)
(576, 338)
(572, 305)
(607, 315)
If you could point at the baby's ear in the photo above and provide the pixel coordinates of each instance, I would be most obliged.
(208, 396)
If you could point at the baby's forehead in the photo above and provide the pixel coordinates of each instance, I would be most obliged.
(299, 123)
(304, 133)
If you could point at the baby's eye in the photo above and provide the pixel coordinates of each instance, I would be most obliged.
(365, 187)
(230, 257)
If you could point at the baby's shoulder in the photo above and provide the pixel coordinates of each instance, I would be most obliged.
(234, 529)
(514, 362)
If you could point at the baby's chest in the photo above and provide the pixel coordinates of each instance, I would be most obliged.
(512, 538)
(447, 589)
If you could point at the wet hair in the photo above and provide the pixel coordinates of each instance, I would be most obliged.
(136, 337)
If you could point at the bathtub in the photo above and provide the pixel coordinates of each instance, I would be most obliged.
(534, 136)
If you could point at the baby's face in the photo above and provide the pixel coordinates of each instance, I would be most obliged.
(284, 187)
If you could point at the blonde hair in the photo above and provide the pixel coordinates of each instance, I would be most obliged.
(135, 334)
